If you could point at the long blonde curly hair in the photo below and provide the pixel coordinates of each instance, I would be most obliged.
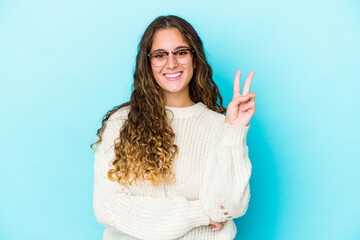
(145, 147)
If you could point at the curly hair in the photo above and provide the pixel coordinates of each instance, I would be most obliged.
(145, 147)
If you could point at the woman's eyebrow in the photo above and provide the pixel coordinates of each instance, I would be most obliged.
(161, 49)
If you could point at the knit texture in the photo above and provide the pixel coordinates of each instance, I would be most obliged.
(212, 182)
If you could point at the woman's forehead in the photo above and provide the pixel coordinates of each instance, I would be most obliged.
(168, 39)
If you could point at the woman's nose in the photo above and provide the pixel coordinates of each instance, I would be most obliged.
(171, 61)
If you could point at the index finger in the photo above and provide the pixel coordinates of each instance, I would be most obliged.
(237, 85)
(247, 84)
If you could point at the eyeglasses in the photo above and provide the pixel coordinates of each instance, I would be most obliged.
(182, 56)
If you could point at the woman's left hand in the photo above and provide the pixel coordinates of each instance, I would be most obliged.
(216, 226)
(242, 107)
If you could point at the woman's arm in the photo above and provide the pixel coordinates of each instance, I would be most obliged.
(143, 217)
(225, 192)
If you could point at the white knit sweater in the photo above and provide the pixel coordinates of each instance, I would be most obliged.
(212, 170)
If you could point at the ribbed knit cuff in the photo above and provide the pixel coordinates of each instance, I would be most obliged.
(197, 216)
(234, 135)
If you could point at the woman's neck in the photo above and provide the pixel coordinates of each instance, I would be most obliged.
(178, 101)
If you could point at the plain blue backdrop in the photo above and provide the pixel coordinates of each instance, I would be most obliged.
(63, 64)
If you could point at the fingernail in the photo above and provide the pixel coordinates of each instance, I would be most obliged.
(242, 109)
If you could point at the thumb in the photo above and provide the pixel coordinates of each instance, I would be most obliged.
(239, 99)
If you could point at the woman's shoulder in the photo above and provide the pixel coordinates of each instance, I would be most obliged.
(120, 114)
(214, 116)
(118, 117)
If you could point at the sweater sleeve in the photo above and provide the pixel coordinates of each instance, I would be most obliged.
(225, 192)
(143, 217)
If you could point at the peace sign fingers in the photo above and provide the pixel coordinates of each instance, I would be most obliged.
(247, 85)
(242, 108)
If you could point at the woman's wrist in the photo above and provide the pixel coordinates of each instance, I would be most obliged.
(241, 124)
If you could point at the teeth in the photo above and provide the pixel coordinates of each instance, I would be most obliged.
(173, 75)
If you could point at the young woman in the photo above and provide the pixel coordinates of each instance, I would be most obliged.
(168, 163)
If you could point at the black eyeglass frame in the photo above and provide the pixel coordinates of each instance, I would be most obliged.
(173, 52)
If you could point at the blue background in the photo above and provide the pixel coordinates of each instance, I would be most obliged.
(63, 64)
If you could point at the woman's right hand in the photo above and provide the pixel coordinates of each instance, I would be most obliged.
(216, 226)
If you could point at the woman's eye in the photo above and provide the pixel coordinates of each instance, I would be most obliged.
(181, 53)
(158, 55)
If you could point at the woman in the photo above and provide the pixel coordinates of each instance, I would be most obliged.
(169, 164)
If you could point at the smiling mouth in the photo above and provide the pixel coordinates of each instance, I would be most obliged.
(173, 76)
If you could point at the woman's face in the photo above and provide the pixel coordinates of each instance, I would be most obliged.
(172, 77)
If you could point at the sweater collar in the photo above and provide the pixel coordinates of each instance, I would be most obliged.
(182, 112)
